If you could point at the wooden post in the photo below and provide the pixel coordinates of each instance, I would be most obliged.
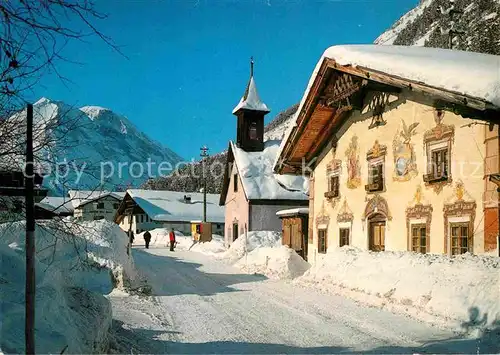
(29, 326)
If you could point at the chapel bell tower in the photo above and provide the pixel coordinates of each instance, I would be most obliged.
(250, 112)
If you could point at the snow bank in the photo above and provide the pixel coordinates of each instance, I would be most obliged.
(278, 263)
(460, 291)
(262, 252)
(76, 264)
(254, 240)
(215, 247)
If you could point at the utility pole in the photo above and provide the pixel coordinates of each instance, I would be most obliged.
(452, 30)
(29, 181)
(203, 155)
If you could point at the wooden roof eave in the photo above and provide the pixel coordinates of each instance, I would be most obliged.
(302, 116)
(416, 86)
(226, 179)
(465, 105)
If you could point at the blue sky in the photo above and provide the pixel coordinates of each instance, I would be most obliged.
(188, 61)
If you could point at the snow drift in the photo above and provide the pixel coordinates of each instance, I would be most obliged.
(253, 240)
(262, 252)
(76, 264)
(277, 263)
(463, 290)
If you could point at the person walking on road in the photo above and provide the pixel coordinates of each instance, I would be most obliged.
(172, 239)
(147, 238)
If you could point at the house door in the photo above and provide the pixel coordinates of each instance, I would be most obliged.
(235, 231)
(377, 233)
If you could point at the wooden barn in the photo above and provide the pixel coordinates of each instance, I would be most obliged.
(294, 229)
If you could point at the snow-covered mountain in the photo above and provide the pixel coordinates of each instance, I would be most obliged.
(188, 178)
(92, 147)
(427, 23)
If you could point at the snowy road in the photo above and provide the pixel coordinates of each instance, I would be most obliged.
(201, 305)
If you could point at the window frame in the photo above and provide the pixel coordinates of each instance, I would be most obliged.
(322, 236)
(341, 237)
(468, 238)
(419, 248)
(377, 166)
(99, 205)
(432, 176)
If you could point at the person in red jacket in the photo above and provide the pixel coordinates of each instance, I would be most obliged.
(172, 239)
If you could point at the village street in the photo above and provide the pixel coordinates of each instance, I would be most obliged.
(201, 305)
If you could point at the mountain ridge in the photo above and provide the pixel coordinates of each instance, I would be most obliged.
(423, 26)
(82, 148)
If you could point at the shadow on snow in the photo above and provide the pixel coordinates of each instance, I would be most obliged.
(171, 276)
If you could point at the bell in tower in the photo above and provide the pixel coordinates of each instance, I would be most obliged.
(250, 112)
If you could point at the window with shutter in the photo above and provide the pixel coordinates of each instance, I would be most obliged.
(376, 177)
(438, 166)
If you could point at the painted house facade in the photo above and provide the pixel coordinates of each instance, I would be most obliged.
(399, 159)
(251, 192)
(144, 210)
(95, 205)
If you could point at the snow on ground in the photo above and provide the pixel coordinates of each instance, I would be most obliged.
(76, 264)
(277, 263)
(202, 305)
(463, 290)
(254, 240)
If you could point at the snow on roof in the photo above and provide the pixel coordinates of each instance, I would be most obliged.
(167, 206)
(56, 204)
(251, 99)
(469, 73)
(292, 212)
(81, 197)
(260, 183)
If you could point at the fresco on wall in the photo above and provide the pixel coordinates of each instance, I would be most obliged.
(353, 165)
(405, 165)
